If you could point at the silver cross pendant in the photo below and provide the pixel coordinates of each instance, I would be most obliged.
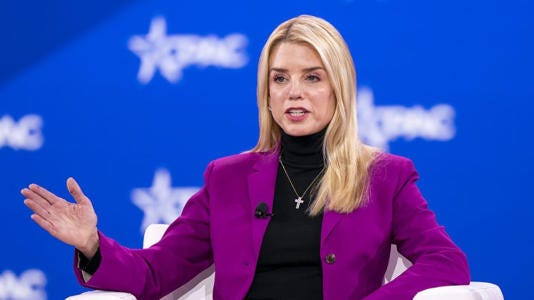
(299, 202)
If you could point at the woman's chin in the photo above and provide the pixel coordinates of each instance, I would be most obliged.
(300, 131)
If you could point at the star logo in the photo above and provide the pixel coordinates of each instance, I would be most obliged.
(161, 203)
(170, 54)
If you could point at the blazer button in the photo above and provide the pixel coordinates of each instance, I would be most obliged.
(330, 258)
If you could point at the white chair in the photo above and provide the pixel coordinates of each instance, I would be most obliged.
(201, 287)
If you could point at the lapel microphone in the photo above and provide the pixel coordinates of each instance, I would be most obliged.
(261, 211)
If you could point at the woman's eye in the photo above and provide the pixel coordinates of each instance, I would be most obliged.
(312, 77)
(279, 79)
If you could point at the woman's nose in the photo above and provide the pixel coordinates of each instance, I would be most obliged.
(295, 90)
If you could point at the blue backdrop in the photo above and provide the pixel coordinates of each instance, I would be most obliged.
(134, 98)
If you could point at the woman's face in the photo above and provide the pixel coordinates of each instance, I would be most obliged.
(301, 98)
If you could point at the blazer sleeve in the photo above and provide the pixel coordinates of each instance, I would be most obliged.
(437, 261)
(182, 253)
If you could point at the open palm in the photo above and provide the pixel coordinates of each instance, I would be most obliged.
(72, 223)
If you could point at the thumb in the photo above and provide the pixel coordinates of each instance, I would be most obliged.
(76, 191)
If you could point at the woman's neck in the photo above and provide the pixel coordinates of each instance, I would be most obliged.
(303, 151)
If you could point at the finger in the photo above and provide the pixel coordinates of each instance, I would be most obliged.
(38, 209)
(76, 191)
(47, 195)
(46, 225)
(29, 194)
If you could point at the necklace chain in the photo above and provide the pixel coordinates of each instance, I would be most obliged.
(299, 200)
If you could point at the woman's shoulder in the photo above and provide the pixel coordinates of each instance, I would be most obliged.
(391, 167)
(389, 160)
(244, 159)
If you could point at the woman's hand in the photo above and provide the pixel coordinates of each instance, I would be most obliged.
(72, 223)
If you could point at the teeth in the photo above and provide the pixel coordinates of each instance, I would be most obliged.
(296, 112)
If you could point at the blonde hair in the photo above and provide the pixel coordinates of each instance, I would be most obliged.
(343, 186)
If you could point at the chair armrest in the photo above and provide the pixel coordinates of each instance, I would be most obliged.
(102, 295)
(473, 291)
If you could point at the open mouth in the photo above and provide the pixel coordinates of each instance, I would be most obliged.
(296, 112)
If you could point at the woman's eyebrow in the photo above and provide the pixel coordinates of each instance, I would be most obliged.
(282, 70)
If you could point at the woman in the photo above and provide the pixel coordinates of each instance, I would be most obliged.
(336, 204)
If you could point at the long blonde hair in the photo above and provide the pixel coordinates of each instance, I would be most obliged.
(343, 186)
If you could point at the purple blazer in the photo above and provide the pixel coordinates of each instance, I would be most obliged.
(217, 226)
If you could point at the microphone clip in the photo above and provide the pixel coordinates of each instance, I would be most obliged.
(261, 211)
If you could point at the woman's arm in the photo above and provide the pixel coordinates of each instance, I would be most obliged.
(437, 261)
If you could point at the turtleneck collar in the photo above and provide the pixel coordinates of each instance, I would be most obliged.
(303, 151)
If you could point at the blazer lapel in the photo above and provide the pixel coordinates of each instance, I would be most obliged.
(261, 184)
(330, 220)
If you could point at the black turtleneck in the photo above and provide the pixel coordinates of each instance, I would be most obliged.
(289, 265)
